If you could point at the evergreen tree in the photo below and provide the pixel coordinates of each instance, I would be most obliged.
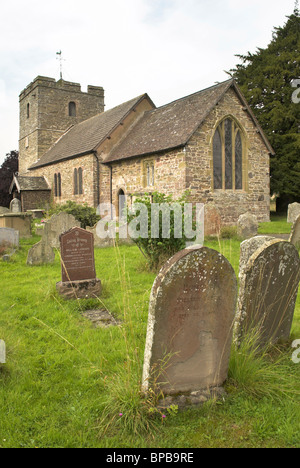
(7, 171)
(270, 81)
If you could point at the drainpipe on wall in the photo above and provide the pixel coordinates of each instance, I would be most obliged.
(111, 197)
(97, 178)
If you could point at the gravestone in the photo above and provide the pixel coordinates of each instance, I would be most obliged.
(15, 206)
(190, 322)
(212, 220)
(247, 226)
(268, 292)
(57, 225)
(293, 212)
(40, 253)
(9, 237)
(78, 265)
(247, 249)
(2, 352)
(295, 233)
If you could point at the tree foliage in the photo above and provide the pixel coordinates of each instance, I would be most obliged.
(268, 79)
(7, 170)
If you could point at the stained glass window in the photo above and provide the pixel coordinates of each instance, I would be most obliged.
(217, 155)
(228, 157)
(238, 161)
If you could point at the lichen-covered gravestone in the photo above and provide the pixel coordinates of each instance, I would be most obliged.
(191, 315)
(295, 233)
(293, 212)
(247, 226)
(247, 249)
(268, 292)
(57, 225)
(40, 253)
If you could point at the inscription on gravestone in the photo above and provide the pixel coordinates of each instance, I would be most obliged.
(190, 320)
(77, 253)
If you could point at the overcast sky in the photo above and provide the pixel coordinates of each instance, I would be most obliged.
(167, 48)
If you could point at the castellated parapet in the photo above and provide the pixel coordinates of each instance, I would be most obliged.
(47, 109)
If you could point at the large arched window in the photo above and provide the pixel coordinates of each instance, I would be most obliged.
(228, 156)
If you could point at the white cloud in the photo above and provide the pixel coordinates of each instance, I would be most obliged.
(168, 48)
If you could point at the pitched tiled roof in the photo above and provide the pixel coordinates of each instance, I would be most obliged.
(24, 183)
(172, 125)
(84, 137)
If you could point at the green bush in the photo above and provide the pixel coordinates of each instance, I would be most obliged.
(83, 213)
(158, 250)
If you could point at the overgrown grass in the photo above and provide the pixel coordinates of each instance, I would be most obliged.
(67, 384)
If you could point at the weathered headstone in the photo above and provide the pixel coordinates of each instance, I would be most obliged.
(40, 253)
(78, 265)
(295, 233)
(247, 249)
(190, 323)
(293, 212)
(212, 220)
(247, 226)
(15, 206)
(268, 292)
(57, 225)
(9, 237)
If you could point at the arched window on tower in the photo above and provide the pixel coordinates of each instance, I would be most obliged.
(72, 109)
(28, 111)
(228, 156)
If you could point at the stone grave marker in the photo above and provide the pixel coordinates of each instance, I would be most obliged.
(40, 253)
(293, 212)
(295, 233)
(57, 225)
(190, 323)
(78, 265)
(268, 292)
(2, 352)
(247, 249)
(247, 226)
(10, 237)
(15, 206)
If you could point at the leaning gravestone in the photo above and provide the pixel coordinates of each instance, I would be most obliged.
(57, 225)
(190, 323)
(293, 212)
(268, 292)
(295, 233)
(78, 265)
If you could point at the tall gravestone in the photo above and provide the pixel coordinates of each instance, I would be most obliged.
(268, 292)
(191, 315)
(78, 265)
(295, 233)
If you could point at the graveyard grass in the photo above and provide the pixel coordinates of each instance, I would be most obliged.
(67, 384)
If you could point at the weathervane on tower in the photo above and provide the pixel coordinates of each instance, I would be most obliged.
(59, 57)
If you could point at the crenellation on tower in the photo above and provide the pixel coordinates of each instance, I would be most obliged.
(47, 109)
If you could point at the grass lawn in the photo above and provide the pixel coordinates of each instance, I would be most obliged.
(66, 383)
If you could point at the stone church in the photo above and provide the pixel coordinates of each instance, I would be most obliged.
(209, 143)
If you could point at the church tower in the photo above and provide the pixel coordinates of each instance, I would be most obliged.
(47, 109)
